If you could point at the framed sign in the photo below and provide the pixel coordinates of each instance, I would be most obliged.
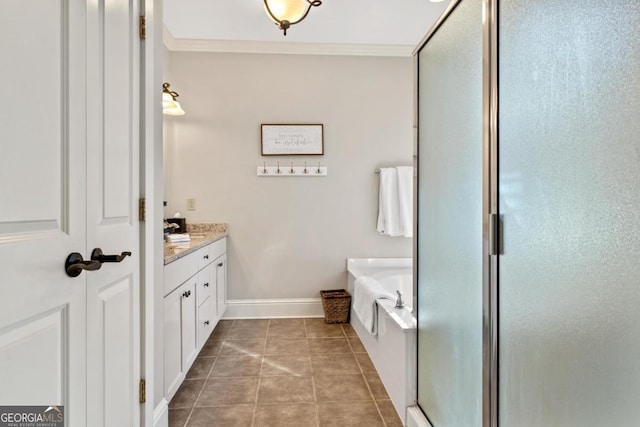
(292, 140)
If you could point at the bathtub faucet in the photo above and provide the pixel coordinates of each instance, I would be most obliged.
(399, 301)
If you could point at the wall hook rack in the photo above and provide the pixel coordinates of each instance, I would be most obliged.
(291, 171)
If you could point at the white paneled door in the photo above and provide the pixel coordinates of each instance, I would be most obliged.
(69, 146)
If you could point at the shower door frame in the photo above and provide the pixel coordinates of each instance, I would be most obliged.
(491, 246)
(491, 236)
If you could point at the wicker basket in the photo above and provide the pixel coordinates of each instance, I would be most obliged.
(336, 304)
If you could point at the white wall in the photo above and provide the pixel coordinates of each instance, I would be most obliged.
(289, 237)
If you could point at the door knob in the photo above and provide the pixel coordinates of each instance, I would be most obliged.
(97, 255)
(74, 264)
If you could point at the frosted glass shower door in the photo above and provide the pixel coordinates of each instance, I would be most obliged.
(449, 241)
(569, 197)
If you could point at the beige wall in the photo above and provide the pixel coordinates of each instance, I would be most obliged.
(289, 237)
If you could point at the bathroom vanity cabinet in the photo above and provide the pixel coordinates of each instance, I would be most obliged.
(194, 301)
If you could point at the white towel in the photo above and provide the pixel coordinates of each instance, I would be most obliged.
(365, 293)
(388, 213)
(405, 199)
(175, 238)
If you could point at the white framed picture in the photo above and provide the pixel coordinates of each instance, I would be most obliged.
(292, 140)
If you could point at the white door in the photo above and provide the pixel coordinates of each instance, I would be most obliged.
(113, 303)
(69, 183)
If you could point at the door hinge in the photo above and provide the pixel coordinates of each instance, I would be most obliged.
(143, 27)
(143, 391)
(142, 211)
(494, 234)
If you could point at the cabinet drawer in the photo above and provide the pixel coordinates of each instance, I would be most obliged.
(218, 248)
(206, 285)
(205, 322)
(210, 252)
(204, 257)
(177, 272)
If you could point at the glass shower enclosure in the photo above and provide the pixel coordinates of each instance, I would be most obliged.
(449, 243)
(528, 201)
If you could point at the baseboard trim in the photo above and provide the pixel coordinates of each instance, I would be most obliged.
(415, 418)
(273, 308)
(161, 414)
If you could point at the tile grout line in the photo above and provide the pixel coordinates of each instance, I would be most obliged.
(349, 342)
(264, 349)
(313, 375)
(193, 406)
(384, 422)
(186, 422)
(255, 401)
(315, 396)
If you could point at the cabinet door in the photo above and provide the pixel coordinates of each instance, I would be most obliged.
(205, 322)
(173, 373)
(188, 317)
(221, 285)
(205, 285)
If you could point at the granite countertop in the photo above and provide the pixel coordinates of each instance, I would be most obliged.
(202, 234)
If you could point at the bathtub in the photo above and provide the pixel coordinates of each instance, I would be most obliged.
(393, 350)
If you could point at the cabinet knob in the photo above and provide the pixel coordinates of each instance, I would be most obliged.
(206, 257)
(206, 285)
(206, 322)
(187, 294)
(221, 264)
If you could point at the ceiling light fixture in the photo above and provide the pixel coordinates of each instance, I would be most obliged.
(170, 105)
(286, 13)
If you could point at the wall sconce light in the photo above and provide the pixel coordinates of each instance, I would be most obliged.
(286, 13)
(170, 105)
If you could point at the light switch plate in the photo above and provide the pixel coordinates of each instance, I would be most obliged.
(191, 204)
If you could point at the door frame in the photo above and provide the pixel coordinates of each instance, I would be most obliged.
(151, 189)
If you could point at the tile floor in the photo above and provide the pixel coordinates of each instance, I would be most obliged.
(282, 373)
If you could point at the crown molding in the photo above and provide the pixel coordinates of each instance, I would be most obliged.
(283, 48)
